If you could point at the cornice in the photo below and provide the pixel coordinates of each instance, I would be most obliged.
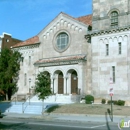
(108, 31)
(64, 60)
(36, 45)
(59, 63)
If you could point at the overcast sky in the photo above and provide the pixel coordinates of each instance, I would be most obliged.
(24, 19)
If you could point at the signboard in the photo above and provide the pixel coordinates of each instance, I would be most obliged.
(111, 89)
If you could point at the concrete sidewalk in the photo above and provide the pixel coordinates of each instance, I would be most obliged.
(65, 117)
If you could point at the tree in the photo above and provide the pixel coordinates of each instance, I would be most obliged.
(42, 86)
(9, 71)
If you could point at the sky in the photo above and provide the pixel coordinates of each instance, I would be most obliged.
(24, 19)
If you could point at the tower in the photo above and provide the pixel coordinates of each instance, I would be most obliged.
(110, 14)
(111, 48)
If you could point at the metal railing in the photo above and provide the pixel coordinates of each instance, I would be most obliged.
(13, 99)
(24, 107)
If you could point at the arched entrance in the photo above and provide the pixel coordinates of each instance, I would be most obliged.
(72, 81)
(59, 81)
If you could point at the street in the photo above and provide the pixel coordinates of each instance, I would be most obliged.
(26, 124)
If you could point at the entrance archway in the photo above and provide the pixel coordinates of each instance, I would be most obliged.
(59, 81)
(74, 82)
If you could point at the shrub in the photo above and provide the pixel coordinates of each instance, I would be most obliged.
(109, 102)
(115, 102)
(103, 101)
(120, 102)
(89, 99)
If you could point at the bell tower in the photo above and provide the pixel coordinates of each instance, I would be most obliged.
(110, 14)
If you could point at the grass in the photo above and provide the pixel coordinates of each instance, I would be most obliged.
(99, 109)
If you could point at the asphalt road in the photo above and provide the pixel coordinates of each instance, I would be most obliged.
(26, 124)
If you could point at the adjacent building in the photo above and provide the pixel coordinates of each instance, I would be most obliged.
(6, 41)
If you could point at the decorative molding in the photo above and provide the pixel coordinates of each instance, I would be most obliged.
(110, 31)
(26, 47)
(62, 23)
(59, 63)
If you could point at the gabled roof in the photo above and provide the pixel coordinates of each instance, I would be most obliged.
(34, 40)
(29, 41)
(85, 19)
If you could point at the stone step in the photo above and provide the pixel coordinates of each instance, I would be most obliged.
(53, 99)
(15, 109)
(33, 109)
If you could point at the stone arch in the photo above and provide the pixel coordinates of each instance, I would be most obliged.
(112, 10)
(101, 41)
(120, 38)
(73, 81)
(59, 82)
(125, 38)
(110, 40)
(106, 41)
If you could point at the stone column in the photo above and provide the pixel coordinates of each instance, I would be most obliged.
(69, 83)
(65, 85)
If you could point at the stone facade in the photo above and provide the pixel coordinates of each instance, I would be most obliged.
(69, 69)
(110, 48)
(91, 59)
(6, 41)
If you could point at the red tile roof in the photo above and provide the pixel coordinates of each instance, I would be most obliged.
(85, 19)
(29, 41)
(60, 59)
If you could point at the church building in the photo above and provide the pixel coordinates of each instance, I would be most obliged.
(84, 55)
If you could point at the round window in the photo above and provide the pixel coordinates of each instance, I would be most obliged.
(62, 41)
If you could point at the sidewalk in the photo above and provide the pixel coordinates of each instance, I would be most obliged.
(64, 117)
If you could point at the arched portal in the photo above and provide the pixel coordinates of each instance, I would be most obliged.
(72, 81)
(59, 81)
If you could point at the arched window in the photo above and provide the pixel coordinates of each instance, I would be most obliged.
(114, 19)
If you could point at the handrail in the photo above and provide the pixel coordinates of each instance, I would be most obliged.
(23, 109)
(13, 99)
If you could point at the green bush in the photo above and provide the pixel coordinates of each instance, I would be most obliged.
(120, 102)
(115, 102)
(103, 101)
(89, 99)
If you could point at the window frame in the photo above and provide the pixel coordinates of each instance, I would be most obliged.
(119, 48)
(113, 74)
(29, 63)
(62, 40)
(107, 49)
(55, 41)
(114, 19)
